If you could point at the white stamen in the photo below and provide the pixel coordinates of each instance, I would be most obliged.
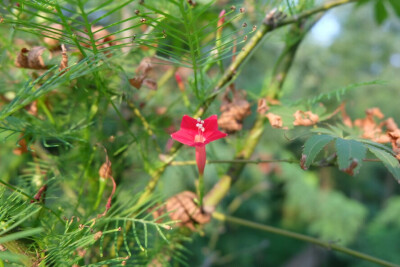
(202, 122)
(202, 129)
(198, 119)
(197, 125)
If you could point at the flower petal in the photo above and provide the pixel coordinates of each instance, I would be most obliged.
(215, 135)
(189, 124)
(211, 123)
(183, 137)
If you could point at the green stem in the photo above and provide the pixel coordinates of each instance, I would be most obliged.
(102, 186)
(43, 106)
(200, 190)
(246, 161)
(278, 231)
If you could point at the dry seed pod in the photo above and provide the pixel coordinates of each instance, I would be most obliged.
(305, 118)
(32, 59)
(370, 129)
(262, 107)
(274, 120)
(182, 208)
(105, 169)
(142, 72)
(233, 112)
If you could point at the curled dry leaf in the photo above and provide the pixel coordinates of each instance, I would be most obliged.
(22, 146)
(142, 73)
(149, 83)
(262, 107)
(183, 208)
(370, 128)
(350, 169)
(305, 118)
(33, 59)
(40, 195)
(233, 112)
(303, 162)
(274, 120)
(395, 140)
(136, 82)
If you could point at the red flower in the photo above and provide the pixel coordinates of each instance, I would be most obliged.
(198, 133)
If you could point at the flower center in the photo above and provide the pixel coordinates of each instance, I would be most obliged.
(199, 138)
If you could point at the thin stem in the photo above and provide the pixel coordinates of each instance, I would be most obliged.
(256, 161)
(278, 231)
(250, 161)
(200, 190)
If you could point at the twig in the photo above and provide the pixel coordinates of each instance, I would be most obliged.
(254, 161)
(278, 231)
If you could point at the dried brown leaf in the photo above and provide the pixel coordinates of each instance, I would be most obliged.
(183, 208)
(137, 82)
(32, 59)
(274, 120)
(262, 107)
(233, 112)
(305, 118)
(150, 83)
(303, 161)
(350, 169)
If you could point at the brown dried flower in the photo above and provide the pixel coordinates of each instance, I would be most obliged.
(234, 111)
(183, 208)
(305, 118)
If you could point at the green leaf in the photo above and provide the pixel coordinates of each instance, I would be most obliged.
(381, 13)
(396, 6)
(19, 235)
(348, 151)
(313, 146)
(390, 162)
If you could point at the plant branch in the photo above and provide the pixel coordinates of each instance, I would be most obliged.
(280, 73)
(255, 161)
(278, 231)
(256, 132)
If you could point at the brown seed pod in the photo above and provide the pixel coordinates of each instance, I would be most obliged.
(305, 118)
(233, 111)
(183, 208)
(33, 58)
(274, 120)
